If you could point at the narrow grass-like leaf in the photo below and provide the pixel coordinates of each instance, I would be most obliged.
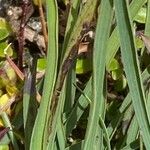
(132, 71)
(115, 122)
(57, 124)
(78, 109)
(101, 121)
(132, 131)
(70, 91)
(126, 103)
(29, 102)
(102, 124)
(113, 42)
(125, 125)
(97, 105)
(38, 140)
(61, 135)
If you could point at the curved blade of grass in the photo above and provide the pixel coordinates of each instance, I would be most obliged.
(57, 125)
(61, 135)
(125, 126)
(101, 121)
(70, 91)
(68, 58)
(113, 42)
(132, 71)
(115, 122)
(57, 137)
(102, 124)
(37, 140)
(132, 131)
(96, 107)
(29, 102)
(102, 135)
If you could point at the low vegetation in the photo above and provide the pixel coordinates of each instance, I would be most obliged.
(74, 75)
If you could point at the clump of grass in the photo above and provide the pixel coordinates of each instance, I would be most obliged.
(109, 108)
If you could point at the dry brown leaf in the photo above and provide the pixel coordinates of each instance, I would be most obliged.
(146, 41)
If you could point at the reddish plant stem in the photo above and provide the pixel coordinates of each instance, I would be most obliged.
(15, 67)
(3, 131)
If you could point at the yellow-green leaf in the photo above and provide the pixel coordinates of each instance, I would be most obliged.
(83, 66)
(4, 99)
(5, 49)
(4, 147)
(5, 29)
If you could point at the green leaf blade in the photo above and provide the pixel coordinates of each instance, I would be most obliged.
(39, 137)
(132, 70)
(97, 105)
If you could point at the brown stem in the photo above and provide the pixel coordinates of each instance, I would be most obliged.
(15, 67)
(42, 18)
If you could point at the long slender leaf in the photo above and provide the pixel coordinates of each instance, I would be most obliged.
(61, 135)
(78, 109)
(57, 125)
(101, 121)
(70, 91)
(38, 140)
(97, 105)
(132, 69)
(113, 43)
(29, 102)
(132, 131)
